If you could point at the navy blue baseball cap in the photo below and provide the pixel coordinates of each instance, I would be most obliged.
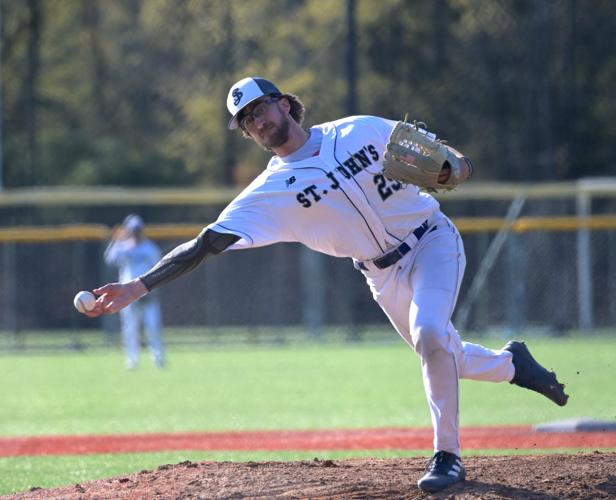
(244, 92)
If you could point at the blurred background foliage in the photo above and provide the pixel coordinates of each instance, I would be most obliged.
(132, 92)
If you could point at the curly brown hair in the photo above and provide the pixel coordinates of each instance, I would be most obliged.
(297, 107)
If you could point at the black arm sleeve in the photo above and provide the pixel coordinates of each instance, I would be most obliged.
(186, 257)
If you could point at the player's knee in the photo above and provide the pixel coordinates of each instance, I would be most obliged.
(429, 336)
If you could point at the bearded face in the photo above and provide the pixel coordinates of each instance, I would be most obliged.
(276, 133)
(271, 129)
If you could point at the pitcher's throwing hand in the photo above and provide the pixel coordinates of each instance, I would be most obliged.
(116, 296)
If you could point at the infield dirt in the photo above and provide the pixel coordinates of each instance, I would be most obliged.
(587, 475)
(400, 438)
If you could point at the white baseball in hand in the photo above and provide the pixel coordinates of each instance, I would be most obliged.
(84, 302)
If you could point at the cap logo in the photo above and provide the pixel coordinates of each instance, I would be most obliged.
(237, 96)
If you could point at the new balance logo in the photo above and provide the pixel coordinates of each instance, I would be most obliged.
(237, 96)
(290, 181)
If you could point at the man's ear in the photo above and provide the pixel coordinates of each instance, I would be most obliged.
(286, 105)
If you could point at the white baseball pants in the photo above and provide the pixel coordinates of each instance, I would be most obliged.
(419, 294)
(144, 313)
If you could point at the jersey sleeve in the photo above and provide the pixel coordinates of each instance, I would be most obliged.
(381, 128)
(376, 128)
(251, 217)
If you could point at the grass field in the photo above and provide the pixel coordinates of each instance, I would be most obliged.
(298, 387)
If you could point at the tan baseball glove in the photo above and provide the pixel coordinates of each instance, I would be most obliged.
(416, 156)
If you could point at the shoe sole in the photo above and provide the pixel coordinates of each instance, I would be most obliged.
(435, 489)
(550, 388)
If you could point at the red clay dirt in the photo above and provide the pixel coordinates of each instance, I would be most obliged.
(473, 438)
(587, 475)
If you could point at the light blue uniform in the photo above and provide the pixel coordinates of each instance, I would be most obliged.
(133, 258)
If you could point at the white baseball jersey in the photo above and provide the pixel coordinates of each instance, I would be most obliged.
(336, 202)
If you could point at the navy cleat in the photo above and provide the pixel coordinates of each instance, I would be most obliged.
(531, 375)
(443, 470)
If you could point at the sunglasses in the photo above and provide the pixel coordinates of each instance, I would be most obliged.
(259, 110)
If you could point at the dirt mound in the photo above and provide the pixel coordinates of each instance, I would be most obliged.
(588, 475)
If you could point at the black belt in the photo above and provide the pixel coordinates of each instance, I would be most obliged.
(390, 258)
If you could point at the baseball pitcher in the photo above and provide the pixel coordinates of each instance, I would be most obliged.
(359, 187)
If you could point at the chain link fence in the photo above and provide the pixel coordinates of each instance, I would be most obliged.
(531, 282)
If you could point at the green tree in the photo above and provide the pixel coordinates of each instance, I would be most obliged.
(133, 91)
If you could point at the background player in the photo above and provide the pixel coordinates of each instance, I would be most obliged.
(133, 255)
(324, 187)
